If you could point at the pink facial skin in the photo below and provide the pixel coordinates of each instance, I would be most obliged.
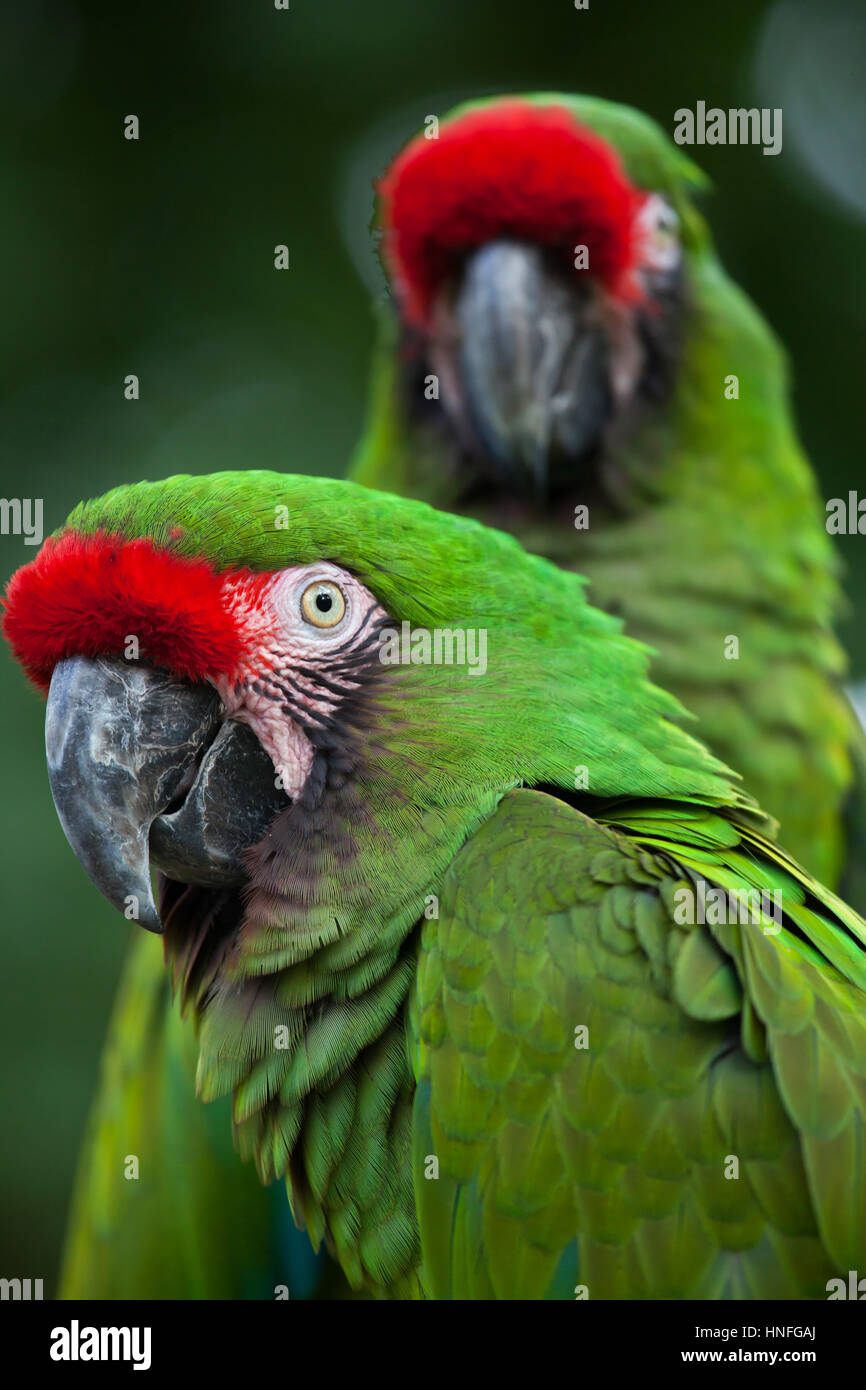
(282, 639)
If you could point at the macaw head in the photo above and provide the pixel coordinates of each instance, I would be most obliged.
(536, 249)
(265, 686)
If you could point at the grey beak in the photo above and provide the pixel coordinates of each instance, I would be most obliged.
(527, 374)
(145, 771)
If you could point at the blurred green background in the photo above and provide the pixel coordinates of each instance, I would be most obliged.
(261, 127)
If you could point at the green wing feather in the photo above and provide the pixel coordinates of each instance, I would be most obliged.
(608, 1168)
(853, 884)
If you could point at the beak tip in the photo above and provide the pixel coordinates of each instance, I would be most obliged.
(141, 910)
(152, 922)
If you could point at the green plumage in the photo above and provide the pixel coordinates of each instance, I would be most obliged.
(188, 1221)
(704, 525)
(703, 1045)
(436, 1125)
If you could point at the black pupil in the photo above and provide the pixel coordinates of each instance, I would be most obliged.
(324, 602)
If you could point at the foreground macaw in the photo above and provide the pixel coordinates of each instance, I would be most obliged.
(565, 358)
(501, 1037)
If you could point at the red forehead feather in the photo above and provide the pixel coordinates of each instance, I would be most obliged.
(85, 595)
(510, 169)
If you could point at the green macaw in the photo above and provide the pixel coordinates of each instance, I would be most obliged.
(494, 960)
(564, 357)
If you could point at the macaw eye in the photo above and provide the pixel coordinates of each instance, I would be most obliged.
(666, 221)
(323, 604)
(661, 228)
